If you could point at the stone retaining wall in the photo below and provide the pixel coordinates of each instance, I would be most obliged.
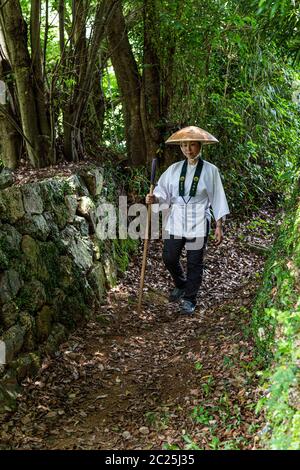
(54, 271)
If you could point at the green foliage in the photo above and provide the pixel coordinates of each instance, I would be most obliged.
(138, 182)
(230, 82)
(221, 65)
(189, 443)
(122, 250)
(198, 366)
(208, 385)
(120, 180)
(201, 415)
(260, 161)
(276, 325)
(281, 19)
(211, 418)
(158, 419)
(113, 132)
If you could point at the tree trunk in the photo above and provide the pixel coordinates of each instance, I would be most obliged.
(78, 63)
(129, 83)
(32, 113)
(85, 66)
(39, 86)
(61, 26)
(151, 90)
(167, 66)
(10, 144)
(95, 112)
(10, 139)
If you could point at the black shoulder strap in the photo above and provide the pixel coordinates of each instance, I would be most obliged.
(196, 178)
(182, 178)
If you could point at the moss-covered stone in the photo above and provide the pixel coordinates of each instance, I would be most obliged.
(48, 270)
(82, 225)
(44, 321)
(28, 322)
(77, 185)
(13, 339)
(69, 234)
(74, 309)
(97, 247)
(34, 262)
(34, 225)
(10, 240)
(93, 179)
(4, 262)
(53, 227)
(10, 284)
(31, 250)
(9, 314)
(32, 296)
(20, 265)
(58, 335)
(33, 203)
(61, 215)
(110, 272)
(53, 193)
(11, 205)
(58, 300)
(79, 248)
(6, 178)
(71, 205)
(66, 277)
(87, 209)
(97, 280)
(82, 253)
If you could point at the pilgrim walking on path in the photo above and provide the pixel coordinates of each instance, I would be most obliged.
(189, 188)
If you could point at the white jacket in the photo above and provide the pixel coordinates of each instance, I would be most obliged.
(187, 216)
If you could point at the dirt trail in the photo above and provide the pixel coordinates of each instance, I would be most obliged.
(158, 379)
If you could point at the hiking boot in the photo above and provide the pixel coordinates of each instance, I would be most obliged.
(176, 294)
(187, 307)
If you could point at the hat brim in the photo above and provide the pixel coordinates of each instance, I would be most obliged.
(192, 134)
(204, 142)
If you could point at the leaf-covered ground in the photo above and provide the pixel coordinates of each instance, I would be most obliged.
(158, 379)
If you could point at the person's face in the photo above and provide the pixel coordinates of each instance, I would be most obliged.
(190, 149)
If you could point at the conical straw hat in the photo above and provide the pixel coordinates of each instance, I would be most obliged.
(191, 134)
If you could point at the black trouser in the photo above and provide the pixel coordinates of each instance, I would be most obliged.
(191, 282)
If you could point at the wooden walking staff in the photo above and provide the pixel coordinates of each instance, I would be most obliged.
(153, 171)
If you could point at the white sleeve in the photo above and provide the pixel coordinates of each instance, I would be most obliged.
(161, 190)
(217, 197)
